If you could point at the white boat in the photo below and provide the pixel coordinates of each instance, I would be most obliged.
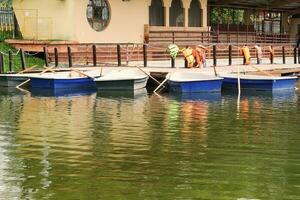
(125, 79)
(190, 82)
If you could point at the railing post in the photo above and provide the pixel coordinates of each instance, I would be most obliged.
(10, 61)
(46, 56)
(70, 57)
(23, 62)
(119, 54)
(173, 37)
(1, 63)
(94, 55)
(56, 57)
(283, 55)
(215, 55)
(145, 55)
(230, 55)
(295, 55)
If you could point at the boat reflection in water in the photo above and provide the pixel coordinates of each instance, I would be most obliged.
(207, 97)
(123, 94)
(41, 92)
(54, 131)
(274, 96)
(10, 91)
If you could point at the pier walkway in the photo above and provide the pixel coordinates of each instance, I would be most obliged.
(160, 68)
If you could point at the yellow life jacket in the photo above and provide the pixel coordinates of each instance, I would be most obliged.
(188, 54)
(245, 51)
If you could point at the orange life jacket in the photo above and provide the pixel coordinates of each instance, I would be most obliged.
(189, 56)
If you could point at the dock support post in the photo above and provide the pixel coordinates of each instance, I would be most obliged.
(145, 54)
(23, 62)
(1, 63)
(283, 54)
(172, 62)
(70, 57)
(185, 63)
(295, 55)
(119, 54)
(56, 57)
(10, 61)
(46, 56)
(215, 55)
(230, 55)
(94, 56)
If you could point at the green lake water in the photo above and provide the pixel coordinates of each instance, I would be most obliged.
(144, 146)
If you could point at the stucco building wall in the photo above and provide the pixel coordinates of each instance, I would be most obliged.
(67, 20)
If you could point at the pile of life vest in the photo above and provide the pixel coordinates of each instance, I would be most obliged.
(194, 57)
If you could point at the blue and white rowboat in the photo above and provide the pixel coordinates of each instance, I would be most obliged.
(257, 82)
(63, 80)
(126, 79)
(189, 82)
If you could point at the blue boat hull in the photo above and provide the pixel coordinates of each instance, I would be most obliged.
(62, 83)
(196, 86)
(280, 84)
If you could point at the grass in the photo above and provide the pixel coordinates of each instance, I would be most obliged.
(30, 60)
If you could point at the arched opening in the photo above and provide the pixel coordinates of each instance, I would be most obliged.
(176, 13)
(195, 14)
(98, 14)
(156, 13)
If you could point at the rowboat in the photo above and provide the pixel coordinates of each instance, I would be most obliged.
(255, 82)
(192, 82)
(64, 80)
(126, 79)
(12, 80)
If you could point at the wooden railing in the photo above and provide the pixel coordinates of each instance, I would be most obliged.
(124, 54)
(187, 36)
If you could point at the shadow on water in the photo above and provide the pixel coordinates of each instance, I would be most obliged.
(276, 95)
(10, 91)
(206, 97)
(123, 94)
(36, 92)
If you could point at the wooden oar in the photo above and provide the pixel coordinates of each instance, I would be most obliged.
(27, 69)
(101, 71)
(262, 71)
(20, 85)
(47, 69)
(82, 73)
(50, 69)
(148, 74)
(162, 83)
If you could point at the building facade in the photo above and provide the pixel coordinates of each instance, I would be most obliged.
(138, 21)
(105, 21)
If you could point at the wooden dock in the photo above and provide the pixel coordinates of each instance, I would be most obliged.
(161, 72)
